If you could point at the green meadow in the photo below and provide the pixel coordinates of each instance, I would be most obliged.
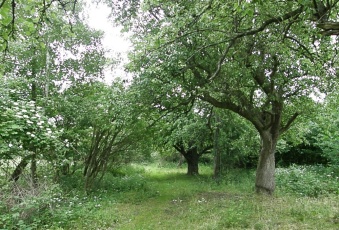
(164, 197)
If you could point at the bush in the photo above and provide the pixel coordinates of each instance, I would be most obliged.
(311, 181)
(25, 205)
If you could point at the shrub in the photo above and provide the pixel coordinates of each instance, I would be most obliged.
(25, 205)
(308, 180)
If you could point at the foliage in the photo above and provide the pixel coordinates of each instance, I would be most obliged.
(24, 206)
(60, 50)
(62, 54)
(234, 56)
(102, 125)
(301, 150)
(326, 127)
(191, 129)
(312, 181)
(23, 19)
(24, 127)
(238, 141)
(313, 140)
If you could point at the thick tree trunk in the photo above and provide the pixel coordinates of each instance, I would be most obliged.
(265, 175)
(192, 159)
(192, 167)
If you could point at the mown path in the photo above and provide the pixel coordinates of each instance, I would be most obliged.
(173, 200)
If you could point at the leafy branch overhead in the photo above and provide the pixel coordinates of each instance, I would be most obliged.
(21, 19)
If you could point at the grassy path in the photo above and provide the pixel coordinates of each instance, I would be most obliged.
(172, 200)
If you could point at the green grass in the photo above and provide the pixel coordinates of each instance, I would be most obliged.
(160, 197)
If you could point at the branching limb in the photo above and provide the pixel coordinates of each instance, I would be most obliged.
(222, 59)
(252, 32)
(244, 112)
(209, 6)
(310, 56)
(289, 123)
(2, 3)
(271, 21)
(206, 149)
(13, 18)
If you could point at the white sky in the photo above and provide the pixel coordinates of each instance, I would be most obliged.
(113, 38)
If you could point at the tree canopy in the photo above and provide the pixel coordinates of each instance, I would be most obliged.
(237, 56)
(268, 62)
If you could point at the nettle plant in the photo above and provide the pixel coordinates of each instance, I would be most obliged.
(25, 129)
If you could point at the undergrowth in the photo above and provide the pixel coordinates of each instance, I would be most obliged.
(164, 197)
(311, 181)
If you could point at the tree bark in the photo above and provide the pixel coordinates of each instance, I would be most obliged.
(265, 175)
(192, 159)
(217, 152)
(34, 170)
(19, 168)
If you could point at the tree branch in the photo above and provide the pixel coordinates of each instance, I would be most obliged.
(289, 122)
(180, 148)
(222, 59)
(205, 150)
(252, 32)
(2, 3)
(271, 21)
(242, 111)
(13, 17)
(302, 46)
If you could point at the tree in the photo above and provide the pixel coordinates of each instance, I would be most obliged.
(42, 61)
(235, 56)
(102, 123)
(25, 130)
(190, 134)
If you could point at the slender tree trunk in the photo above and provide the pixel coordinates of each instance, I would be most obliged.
(47, 69)
(33, 170)
(265, 175)
(19, 168)
(217, 152)
(34, 94)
